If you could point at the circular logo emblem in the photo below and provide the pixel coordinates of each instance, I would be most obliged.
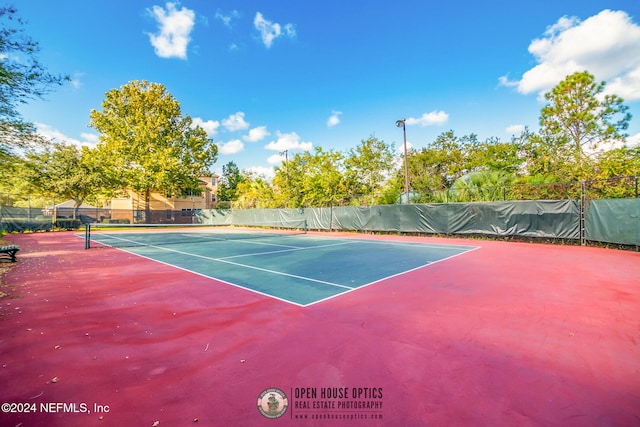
(273, 403)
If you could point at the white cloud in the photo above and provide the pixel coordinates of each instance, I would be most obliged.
(428, 119)
(54, 135)
(227, 19)
(627, 86)
(630, 142)
(633, 140)
(174, 32)
(75, 80)
(289, 141)
(607, 45)
(400, 148)
(269, 31)
(210, 126)
(90, 139)
(256, 134)
(231, 147)
(235, 122)
(334, 119)
(275, 159)
(514, 129)
(262, 171)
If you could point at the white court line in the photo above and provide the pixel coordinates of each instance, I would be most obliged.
(290, 248)
(214, 278)
(286, 274)
(283, 250)
(471, 248)
(295, 248)
(253, 242)
(414, 244)
(108, 236)
(252, 267)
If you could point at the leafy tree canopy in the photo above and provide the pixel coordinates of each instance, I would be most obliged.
(369, 165)
(147, 144)
(579, 117)
(64, 171)
(229, 181)
(22, 78)
(312, 179)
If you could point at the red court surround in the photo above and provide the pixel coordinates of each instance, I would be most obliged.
(511, 334)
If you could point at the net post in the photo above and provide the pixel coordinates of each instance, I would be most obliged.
(306, 226)
(87, 236)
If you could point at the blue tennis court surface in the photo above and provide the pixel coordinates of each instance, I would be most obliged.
(299, 269)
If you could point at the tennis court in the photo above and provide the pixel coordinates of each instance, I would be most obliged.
(426, 331)
(292, 267)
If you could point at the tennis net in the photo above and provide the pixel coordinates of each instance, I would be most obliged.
(131, 235)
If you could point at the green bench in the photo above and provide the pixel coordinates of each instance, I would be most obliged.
(9, 252)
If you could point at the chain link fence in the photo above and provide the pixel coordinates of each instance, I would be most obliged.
(612, 188)
(29, 212)
(608, 207)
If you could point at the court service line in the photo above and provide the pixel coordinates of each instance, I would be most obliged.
(290, 248)
(111, 236)
(284, 250)
(252, 242)
(295, 276)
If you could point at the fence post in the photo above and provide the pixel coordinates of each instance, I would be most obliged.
(29, 211)
(53, 213)
(87, 236)
(583, 198)
(331, 217)
(637, 225)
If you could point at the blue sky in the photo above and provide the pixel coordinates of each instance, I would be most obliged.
(264, 77)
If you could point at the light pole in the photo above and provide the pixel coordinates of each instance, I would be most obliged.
(401, 124)
(285, 153)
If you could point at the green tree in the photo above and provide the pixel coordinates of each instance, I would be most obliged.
(313, 179)
(437, 166)
(229, 180)
(619, 162)
(64, 171)
(391, 191)
(324, 183)
(616, 172)
(254, 193)
(146, 143)
(495, 155)
(486, 185)
(288, 182)
(368, 167)
(22, 78)
(548, 158)
(579, 119)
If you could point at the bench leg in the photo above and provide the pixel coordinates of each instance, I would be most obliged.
(9, 254)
